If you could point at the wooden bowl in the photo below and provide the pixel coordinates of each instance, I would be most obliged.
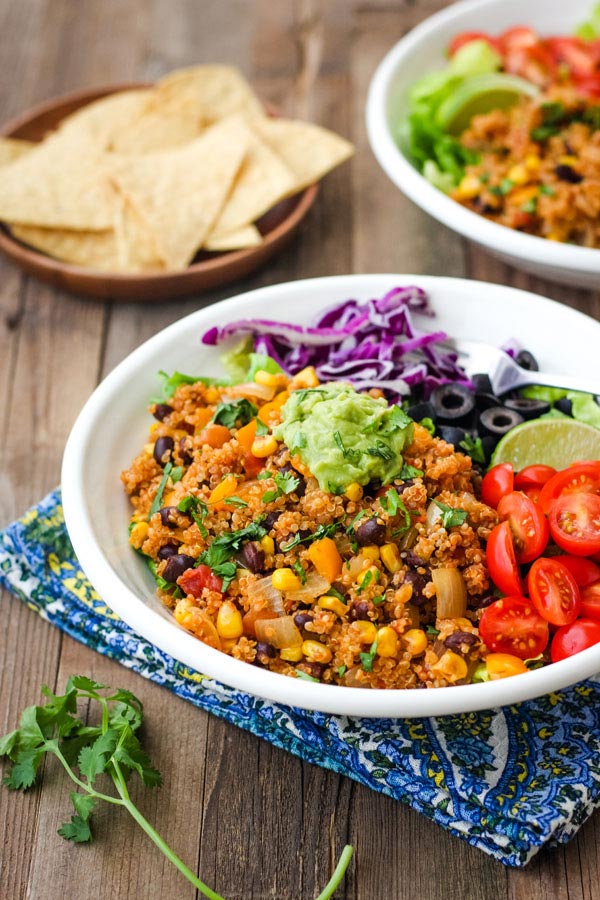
(277, 226)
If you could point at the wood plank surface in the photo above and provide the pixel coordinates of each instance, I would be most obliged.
(255, 822)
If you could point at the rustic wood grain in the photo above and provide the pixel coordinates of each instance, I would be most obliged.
(257, 822)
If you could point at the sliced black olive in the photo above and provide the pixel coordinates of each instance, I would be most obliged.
(484, 400)
(488, 443)
(422, 411)
(453, 403)
(498, 420)
(565, 406)
(527, 406)
(452, 435)
(481, 383)
(527, 360)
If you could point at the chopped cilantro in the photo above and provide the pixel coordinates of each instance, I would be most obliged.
(428, 425)
(352, 456)
(473, 447)
(235, 501)
(431, 631)
(377, 601)
(381, 450)
(298, 441)
(506, 186)
(367, 659)
(285, 483)
(341, 671)
(393, 505)
(365, 582)
(320, 532)
(197, 509)
(543, 132)
(332, 592)
(529, 206)
(300, 571)
(263, 475)
(157, 502)
(224, 547)
(304, 676)
(546, 189)
(450, 515)
(409, 471)
(336, 489)
(237, 413)
(397, 419)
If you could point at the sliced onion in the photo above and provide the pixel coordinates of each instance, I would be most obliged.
(314, 587)
(353, 678)
(433, 515)
(450, 591)
(409, 539)
(354, 567)
(280, 633)
(263, 590)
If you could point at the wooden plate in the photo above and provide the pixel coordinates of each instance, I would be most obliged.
(277, 226)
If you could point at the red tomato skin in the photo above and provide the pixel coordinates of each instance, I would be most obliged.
(253, 465)
(465, 37)
(533, 476)
(582, 477)
(528, 525)
(589, 85)
(496, 483)
(573, 638)
(583, 570)
(517, 38)
(501, 562)
(512, 625)
(575, 523)
(590, 601)
(578, 55)
(193, 581)
(554, 592)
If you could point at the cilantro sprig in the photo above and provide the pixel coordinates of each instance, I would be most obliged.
(237, 412)
(285, 483)
(87, 752)
(451, 516)
(219, 556)
(320, 532)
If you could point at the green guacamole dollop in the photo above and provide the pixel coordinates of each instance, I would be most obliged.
(343, 436)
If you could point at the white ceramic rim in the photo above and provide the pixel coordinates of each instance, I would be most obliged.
(404, 175)
(250, 679)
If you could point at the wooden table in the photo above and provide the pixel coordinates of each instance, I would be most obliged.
(257, 822)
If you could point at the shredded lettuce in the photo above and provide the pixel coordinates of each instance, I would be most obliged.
(584, 407)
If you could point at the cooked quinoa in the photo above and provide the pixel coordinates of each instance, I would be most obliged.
(255, 559)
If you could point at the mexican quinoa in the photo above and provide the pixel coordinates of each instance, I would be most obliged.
(370, 575)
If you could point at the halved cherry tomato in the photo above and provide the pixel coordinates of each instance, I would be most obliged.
(528, 525)
(496, 483)
(533, 493)
(465, 37)
(573, 638)
(575, 523)
(583, 570)
(589, 85)
(534, 63)
(581, 477)
(193, 581)
(553, 591)
(517, 38)
(512, 625)
(252, 464)
(578, 55)
(501, 561)
(533, 476)
(590, 601)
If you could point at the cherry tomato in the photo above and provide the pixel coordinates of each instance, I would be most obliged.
(501, 561)
(590, 601)
(535, 63)
(573, 638)
(528, 525)
(589, 85)
(496, 483)
(253, 465)
(465, 37)
(533, 493)
(517, 38)
(575, 523)
(553, 591)
(533, 476)
(582, 477)
(513, 625)
(583, 570)
(578, 55)
(193, 581)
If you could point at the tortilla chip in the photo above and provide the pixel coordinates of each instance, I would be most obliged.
(61, 183)
(249, 236)
(308, 150)
(218, 91)
(159, 126)
(104, 119)
(180, 193)
(13, 148)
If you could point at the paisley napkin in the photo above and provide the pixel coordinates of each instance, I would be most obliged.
(509, 781)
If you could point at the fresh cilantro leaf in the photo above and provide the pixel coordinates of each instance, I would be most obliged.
(21, 774)
(83, 683)
(353, 456)
(77, 830)
(261, 428)
(341, 671)
(351, 527)
(197, 509)
(269, 496)
(506, 186)
(333, 592)
(84, 804)
(300, 571)
(367, 659)
(336, 489)
(431, 631)
(235, 501)
(93, 759)
(394, 505)
(298, 441)
(157, 502)
(409, 471)
(234, 414)
(397, 419)
(320, 532)
(450, 515)
(543, 132)
(377, 601)
(473, 447)
(263, 475)
(304, 676)
(285, 483)
(547, 190)
(8, 742)
(530, 205)
(365, 582)
(381, 450)
(217, 557)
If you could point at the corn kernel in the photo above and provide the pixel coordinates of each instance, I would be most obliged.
(153, 427)
(568, 160)
(518, 174)
(333, 604)
(387, 642)
(354, 492)
(375, 575)
(228, 644)
(532, 161)
(269, 379)
(463, 623)
(314, 651)
(229, 621)
(370, 552)
(267, 544)
(367, 632)
(305, 378)
(138, 534)
(415, 641)
(554, 236)
(390, 557)
(469, 187)
(291, 654)
(285, 580)
(149, 449)
(451, 666)
(263, 446)
(503, 665)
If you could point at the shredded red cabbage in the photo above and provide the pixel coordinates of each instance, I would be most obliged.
(372, 344)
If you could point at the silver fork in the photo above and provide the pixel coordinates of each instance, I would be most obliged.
(506, 375)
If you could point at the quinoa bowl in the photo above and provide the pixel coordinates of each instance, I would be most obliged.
(97, 512)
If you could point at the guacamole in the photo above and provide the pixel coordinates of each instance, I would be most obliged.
(343, 436)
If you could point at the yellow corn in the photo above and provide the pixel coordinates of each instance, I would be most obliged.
(333, 604)
(268, 379)
(469, 187)
(451, 666)
(229, 621)
(503, 665)
(524, 194)
(285, 580)
(153, 427)
(532, 161)
(554, 236)
(228, 644)
(291, 654)
(267, 544)
(518, 174)
(314, 651)
(212, 395)
(354, 492)
(390, 557)
(415, 641)
(568, 160)
(387, 642)
(138, 534)
(305, 378)
(370, 552)
(375, 575)
(170, 499)
(148, 449)
(367, 632)
(263, 446)
(463, 623)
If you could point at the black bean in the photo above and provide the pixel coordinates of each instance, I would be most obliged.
(453, 403)
(527, 360)
(177, 565)
(370, 532)
(168, 516)
(264, 649)
(163, 449)
(458, 640)
(253, 556)
(567, 173)
(485, 601)
(418, 583)
(359, 610)
(301, 620)
(498, 420)
(315, 669)
(528, 407)
(270, 519)
(161, 411)
(411, 559)
(167, 551)
(185, 451)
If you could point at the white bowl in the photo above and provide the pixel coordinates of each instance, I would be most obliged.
(113, 425)
(422, 51)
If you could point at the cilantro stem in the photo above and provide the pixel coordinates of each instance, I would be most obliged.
(339, 872)
(85, 787)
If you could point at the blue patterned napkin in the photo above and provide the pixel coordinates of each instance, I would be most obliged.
(508, 781)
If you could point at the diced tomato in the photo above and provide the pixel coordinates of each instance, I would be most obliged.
(496, 483)
(578, 55)
(528, 525)
(553, 591)
(534, 63)
(253, 465)
(575, 523)
(465, 37)
(584, 571)
(533, 476)
(590, 601)
(589, 85)
(193, 581)
(513, 625)
(517, 38)
(501, 561)
(573, 638)
(582, 477)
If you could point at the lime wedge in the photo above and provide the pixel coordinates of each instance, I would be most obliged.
(480, 94)
(551, 442)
